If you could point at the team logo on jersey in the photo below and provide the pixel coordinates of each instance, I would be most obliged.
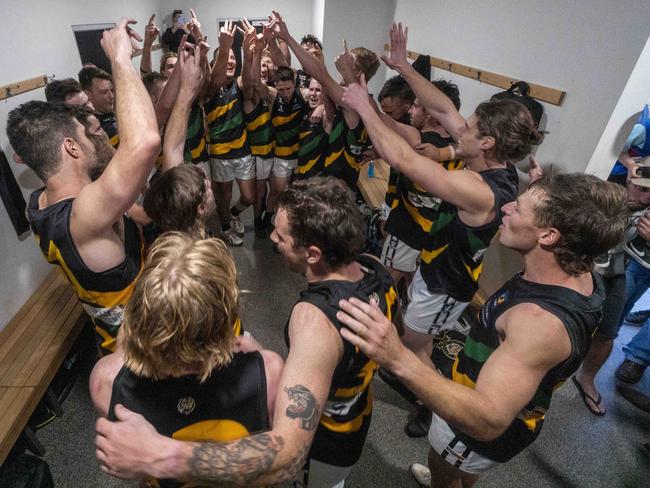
(374, 296)
(424, 201)
(186, 405)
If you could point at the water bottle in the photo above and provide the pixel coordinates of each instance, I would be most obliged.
(371, 169)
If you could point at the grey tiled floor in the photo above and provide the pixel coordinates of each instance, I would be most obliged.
(575, 449)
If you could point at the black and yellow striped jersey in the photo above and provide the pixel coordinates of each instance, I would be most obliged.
(286, 118)
(344, 423)
(452, 257)
(225, 116)
(313, 148)
(196, 141)
(102, 294)
(580, 315)
(261, 137)
(108, 122)
(229, 405)
(345, 146)
(414, 209)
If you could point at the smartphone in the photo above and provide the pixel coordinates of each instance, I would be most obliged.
(180, 20)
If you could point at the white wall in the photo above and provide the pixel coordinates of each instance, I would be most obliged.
(586, 47)
(635, 95)
(40, 41)
(361, 23)
(298, 14)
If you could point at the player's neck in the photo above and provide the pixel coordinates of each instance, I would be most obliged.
(541, 267)
(347, 272)
(63, 185)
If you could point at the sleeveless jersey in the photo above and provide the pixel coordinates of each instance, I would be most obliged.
(452, 258)
(286, 118)
(344, 423)
(344, 150)
(196, 144)
(260, 131)
(108, 122)
(580, 315)
(225, 116)
(229, 405)
(313, 148)
(103, 295)
(415, 210)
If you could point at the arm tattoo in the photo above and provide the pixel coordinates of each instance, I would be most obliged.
(237, 463)
(303, 407)
(293, 468)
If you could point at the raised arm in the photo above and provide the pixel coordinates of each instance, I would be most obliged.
(432, 99)
(251, 55)
(151, 32)
(131, 448)
(310, 64)
(219, 76)
(168, 96)
(100, 203)
(485, 411)
(278, 49)
(465, 189)
(189, 65)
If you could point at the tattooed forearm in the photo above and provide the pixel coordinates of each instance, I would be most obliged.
(303, 406)
(291, 470)
(237, 463)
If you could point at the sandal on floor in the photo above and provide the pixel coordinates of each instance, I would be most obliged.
(585, 396)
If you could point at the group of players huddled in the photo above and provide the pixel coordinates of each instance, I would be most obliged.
(133, 166)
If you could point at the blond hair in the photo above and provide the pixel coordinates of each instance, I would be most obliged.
(180, 317)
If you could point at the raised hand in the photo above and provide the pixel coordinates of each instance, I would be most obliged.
(250, 36)
(151, 31)
(194, 26)
(116, 42)
(345, 65)
(355, 96)
(189, 61)
(278, 27)
(227, 35)
(535, 171)
(397, 57)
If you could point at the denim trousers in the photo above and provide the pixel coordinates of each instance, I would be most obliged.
(637, 281)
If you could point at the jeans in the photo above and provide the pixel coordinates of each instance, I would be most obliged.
(637, 282)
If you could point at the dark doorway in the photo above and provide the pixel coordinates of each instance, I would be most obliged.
(88, 37)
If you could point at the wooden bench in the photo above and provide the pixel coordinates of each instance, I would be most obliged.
(32, 347)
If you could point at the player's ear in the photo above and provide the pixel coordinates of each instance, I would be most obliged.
(313, 254)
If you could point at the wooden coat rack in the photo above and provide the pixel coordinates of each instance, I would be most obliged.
(13, 89)
(540, 92)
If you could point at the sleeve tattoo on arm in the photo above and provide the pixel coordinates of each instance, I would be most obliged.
(303, 407)
(236, 463)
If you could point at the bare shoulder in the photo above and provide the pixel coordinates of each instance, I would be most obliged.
(310, 326)
(535, 334)
(306, 317)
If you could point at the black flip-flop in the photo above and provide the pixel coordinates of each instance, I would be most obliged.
(585, 396)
